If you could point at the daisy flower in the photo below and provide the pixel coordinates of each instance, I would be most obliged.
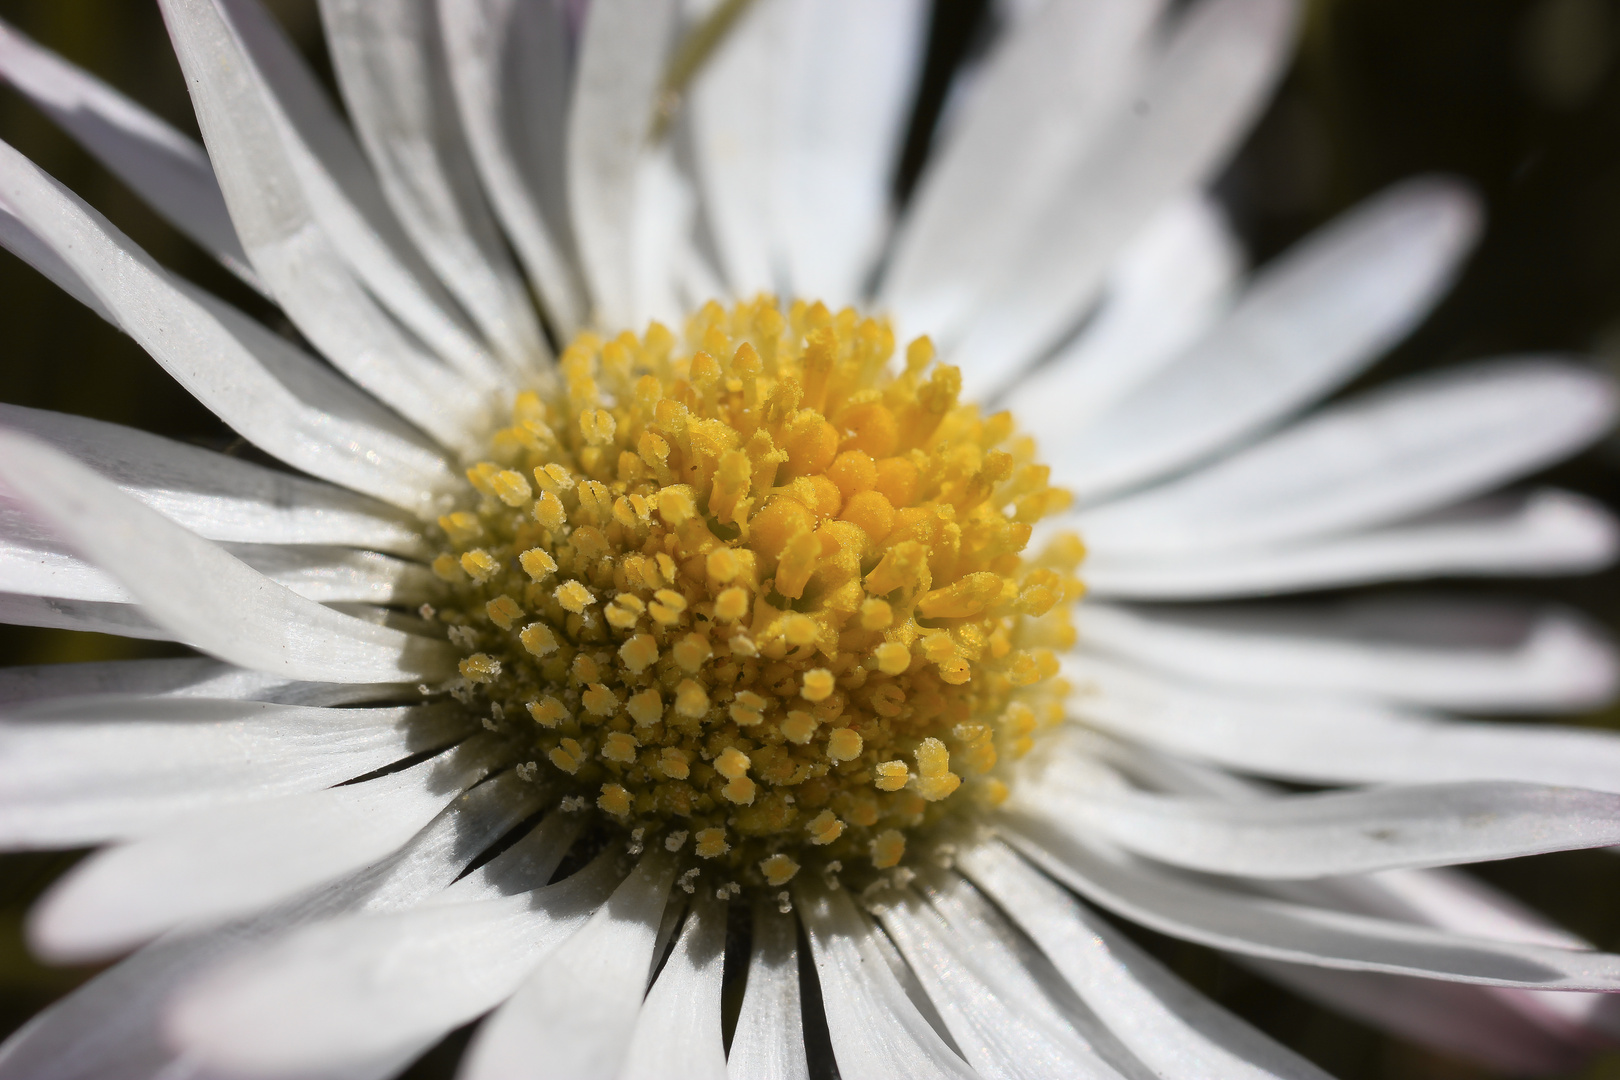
(706, 627)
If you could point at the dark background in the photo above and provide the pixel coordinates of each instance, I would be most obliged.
(1521, 97)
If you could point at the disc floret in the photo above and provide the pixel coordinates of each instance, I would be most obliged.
(757, 595)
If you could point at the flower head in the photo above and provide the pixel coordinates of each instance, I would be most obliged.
(738, 643)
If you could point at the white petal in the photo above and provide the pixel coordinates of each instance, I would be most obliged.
(734, 107)
(876, 1031)
(233, 861)
(1311, 321)
(123, 620)
(1543, 532)
(526, 865)
(1185, 117)
(576, 1012)
(677, 1035)
(1451, 654)
(1171, 284)
(1244, 923)
(1048, 90)
(161, 165)
(333, 177)
(339, 994)
(190, 676)
(621, 61)
(277, 396)
(662, 210)
(1411, 447)
(84, 770)
(769, 1041)
(1315, 738)
(1340, 832)
(510, 68)
(1174, 1030)
(218, 496)
(112, 1027)
(204, 595)
(306, 239)
(390, 64)
(848, 72)
(998, 1038)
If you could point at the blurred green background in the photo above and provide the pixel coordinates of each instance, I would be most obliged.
(1521, 97)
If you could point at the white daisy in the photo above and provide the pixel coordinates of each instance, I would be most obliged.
(724, 656)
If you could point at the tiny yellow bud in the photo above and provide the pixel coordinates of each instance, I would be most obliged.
(844, 744)
(778, 869)
(711, 843)
(818, 685)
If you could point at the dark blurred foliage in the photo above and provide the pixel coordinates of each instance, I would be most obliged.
(1519, 97)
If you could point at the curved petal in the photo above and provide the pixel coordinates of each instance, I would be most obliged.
(1244, 923)
(217, 496)
(1419, 444)
(1311, 321)
(1332, 833)
(847, 70)
(1174, 1030)
(313, 262)
(578, 1009)
(876, 1030)
(391, 65)
(677, 1034)
(338, 995)
(1045, 93)
(80, 771)
(510, 68)
(1318, 739)
(233, 861)
(204, 595)
(1173, 282)
(277, 396)
(1189, 110)
(1472, 656)
(165, 168)
(621, 60)
(1545, 532)
(111, 1028)
(769, 1040)
(999, 1038)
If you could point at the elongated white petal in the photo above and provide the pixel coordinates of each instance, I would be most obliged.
(112, 1027)
(1173, 282)
(1051, 85)
(734, 106)
(390, 63)
(1325, 834)
(1311, 321)
(510, 67)
(85, 770)
(337, 184)
(233, 861)
(162, 166)
(848, 69)
(998, 1037)
(1420, 444)
(204, 595)
(1447, 653)
(278, 397)
(525, 866)
(306, 239)
(124, 620)
(876, 1030)
(621, 60)
(1186, 116)
(769, 1041)
(678, 1034)
(342, 993)
(1315, 738)
(1175, 1031)
(178, 678)
(576, 1012)
(218, 496)
(1547, 532)
(1275, 929)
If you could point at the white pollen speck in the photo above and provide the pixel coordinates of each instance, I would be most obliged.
(572, 804)
(674, 840)
(427, 612)
(784, 902)
(424, 689)
(463, 637)
(491, 725)
(496, 711)
(526, 771)
(689, 881)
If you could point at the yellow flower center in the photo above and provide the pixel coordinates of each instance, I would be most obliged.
(757, 597)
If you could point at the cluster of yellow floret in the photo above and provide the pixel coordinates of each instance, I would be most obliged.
(759, 596)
